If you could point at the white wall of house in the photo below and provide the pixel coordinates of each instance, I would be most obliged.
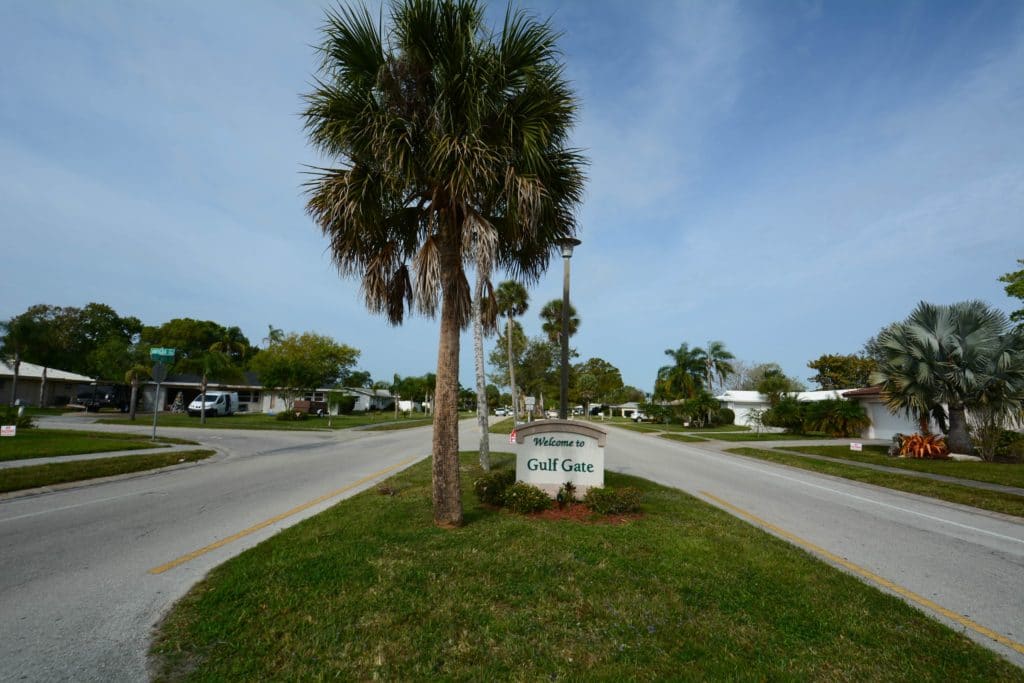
(885, 425)
(742, 402)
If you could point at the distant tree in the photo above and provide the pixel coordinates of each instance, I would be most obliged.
(551, 320)
(499, 355)
(627, 394)
(716, 364)
(774, 384)
(274, 336)
(586, 390)
(684, 378)
(134, 376)
(837, 371)
(233, 344)
(493, 396)
(192, 338)
(301, 363)
(512, 301)
(608, 378)
(1015, 288)
(17, 338)
(359, 379)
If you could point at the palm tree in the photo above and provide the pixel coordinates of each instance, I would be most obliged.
(452, 140)
(275, 335)
(15, 340)
(134, 376)
(512, 301)
(716, 364)
(233, 344)
(684, 377)
(484, 320)
(551, 320)
(964, 356)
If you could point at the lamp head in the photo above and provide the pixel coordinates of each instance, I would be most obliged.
(567, 244)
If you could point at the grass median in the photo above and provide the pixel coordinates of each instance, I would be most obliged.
(35, 476)
(995, 501)
(370, 589)
(1007, 474)
(265, 421)
(49, 443)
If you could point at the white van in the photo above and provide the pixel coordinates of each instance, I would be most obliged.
(217, 403)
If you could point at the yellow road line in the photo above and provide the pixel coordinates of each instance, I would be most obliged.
(273, 520)
(871, 576)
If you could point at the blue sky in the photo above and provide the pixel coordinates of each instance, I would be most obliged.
(786, 177)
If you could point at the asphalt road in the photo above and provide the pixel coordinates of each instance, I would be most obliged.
(967, 563)
(77, 597)
(78, 600)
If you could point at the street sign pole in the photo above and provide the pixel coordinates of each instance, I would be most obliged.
(162, 358)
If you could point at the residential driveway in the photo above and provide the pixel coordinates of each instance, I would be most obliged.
(78, 595)
(964, 564)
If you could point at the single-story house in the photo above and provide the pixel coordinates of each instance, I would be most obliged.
(370, 399)
(183, 388)
(884, 425)
(61, 385)
(742, 402)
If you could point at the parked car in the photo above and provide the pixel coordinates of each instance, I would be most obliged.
(551, 414)
(640, 416)
(95, 398)
(501, 412)
(217, 403)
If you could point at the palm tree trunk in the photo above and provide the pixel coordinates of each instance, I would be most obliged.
(447, 488)
(481, 382)
(133, 399)
(202, 404)
(958, 439)
(512, 373)
(42, 389)
(14, 382)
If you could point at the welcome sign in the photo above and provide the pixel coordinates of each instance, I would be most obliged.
(553, 452)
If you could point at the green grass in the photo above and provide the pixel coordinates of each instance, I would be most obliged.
(1006, 503)
(370, 589)
(685, 438)
(264, 421)
(991, 472)
(765, 436)
(34, 476)
(408, 424)
(503, 426)
(48, 443)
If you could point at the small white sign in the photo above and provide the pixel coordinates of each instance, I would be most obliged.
(8, 430)
(854, 446)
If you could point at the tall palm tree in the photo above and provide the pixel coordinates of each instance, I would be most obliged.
(963, 356)
(134, 376)
(484, 320)
(512, 301)
(233, 344)
(684, 377)
(15, 338)
(452, 139)
(275, 335)
(551, 320)
(716, 364)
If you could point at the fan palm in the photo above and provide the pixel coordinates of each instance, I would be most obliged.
(963, 356)
(551, 320)
(512, 301)
(452, 143)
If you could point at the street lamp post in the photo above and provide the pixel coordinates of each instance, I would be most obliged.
(567, 245)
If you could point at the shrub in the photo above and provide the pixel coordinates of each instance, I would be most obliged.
(927, 446)
(1010, 447)
(290, 416)
(490, 488)
(10, 417)
(725, 416)
(526, 498)
(566, 494)
(836, 417)
(346, 404)
(608, 501)
(787, 413)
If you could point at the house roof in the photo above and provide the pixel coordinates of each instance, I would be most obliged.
(735, 396)
(866, 391)
(33, 371)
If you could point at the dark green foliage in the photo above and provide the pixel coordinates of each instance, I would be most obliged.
(490, 488)
(1010, 447)
(725, 416)
(787, 413)
(526, 498)
(290, 416)
(346, 404)
(566, 494)
(835, 417)
(11, 417)
(605, 500)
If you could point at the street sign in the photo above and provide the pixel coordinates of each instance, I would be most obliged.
(159, 354)
(159, 372)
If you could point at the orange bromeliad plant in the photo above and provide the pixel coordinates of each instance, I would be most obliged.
(924, 446)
